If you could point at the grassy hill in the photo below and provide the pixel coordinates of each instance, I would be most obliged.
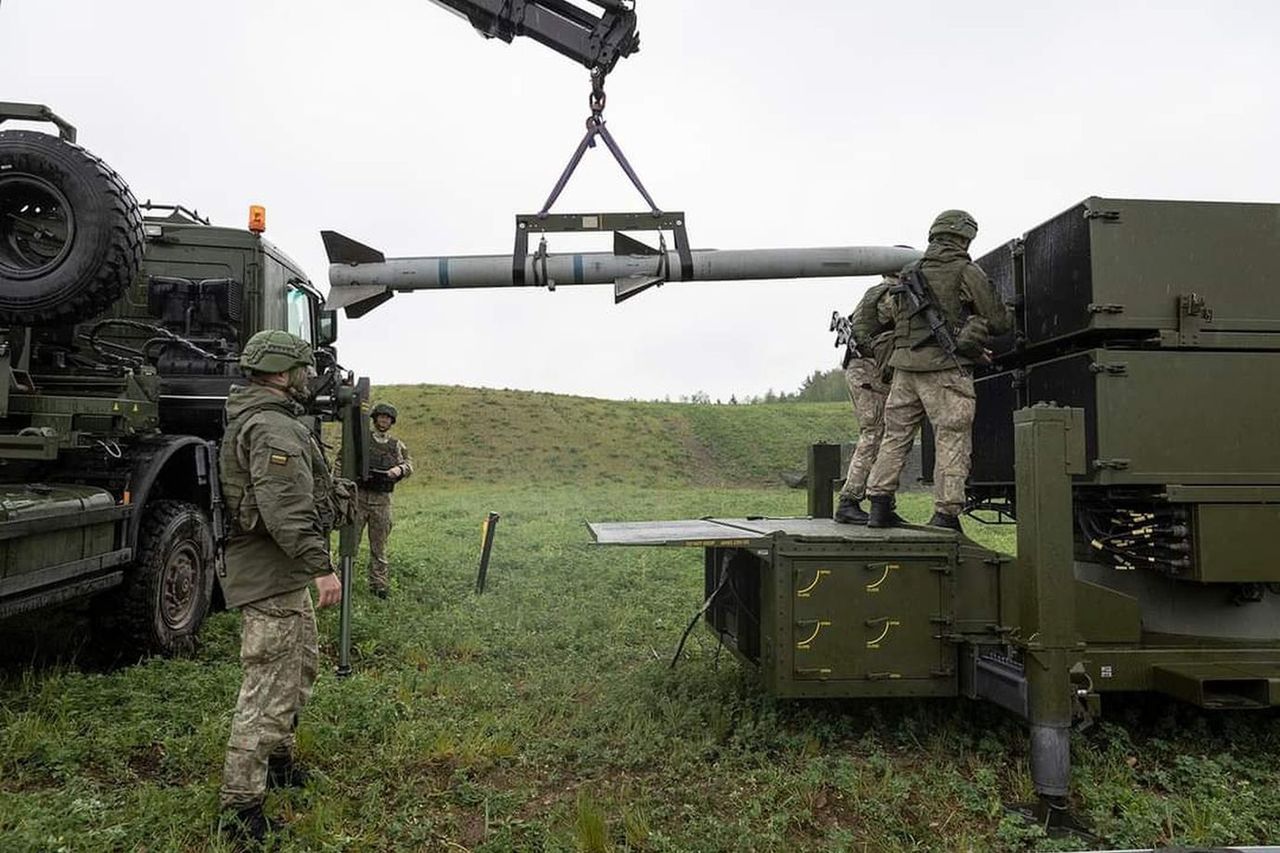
(482, 435)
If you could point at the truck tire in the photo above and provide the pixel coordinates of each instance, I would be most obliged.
(168, 590)
(71, 236)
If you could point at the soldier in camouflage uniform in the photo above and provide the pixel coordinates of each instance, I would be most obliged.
(389, 463)
(929, 381)
(278, 493)
(868, 390)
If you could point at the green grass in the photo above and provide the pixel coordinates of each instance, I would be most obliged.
(542, 715)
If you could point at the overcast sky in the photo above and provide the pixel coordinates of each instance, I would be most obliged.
(772, 124)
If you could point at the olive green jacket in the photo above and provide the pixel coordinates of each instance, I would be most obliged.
(961, 289)
(868, 326)
(278, 490)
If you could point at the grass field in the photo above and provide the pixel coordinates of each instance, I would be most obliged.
(543, 715)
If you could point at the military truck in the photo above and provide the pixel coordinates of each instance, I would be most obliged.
(120, 327)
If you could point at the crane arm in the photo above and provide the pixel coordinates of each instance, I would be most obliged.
(597, 41)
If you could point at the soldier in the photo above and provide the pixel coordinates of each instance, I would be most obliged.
(868, 390)
(389, 463)
(278, 490)
(929, 381)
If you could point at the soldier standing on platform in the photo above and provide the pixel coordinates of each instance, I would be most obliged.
(927, 379)
(865, 367)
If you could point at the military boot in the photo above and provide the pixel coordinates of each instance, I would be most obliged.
(944, 519)
(248, 827)
(850, 511)
(882, 514)
(284, 772)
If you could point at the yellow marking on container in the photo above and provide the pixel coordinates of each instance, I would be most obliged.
(716, 543)
(804, 593)
(817, 628)
(889, 623)
(888, 567)
(115, 407)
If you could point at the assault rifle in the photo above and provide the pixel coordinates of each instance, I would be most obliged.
(843, 327)
(913, 285)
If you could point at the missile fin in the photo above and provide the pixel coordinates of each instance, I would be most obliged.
(625, 288)
(344, 250)
(624, 245)
(364, 306)
(340, 296)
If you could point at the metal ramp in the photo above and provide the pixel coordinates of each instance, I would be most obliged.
(744, 532)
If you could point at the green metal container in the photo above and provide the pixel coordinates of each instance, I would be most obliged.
(1110, 266)
(838, 611)
(50, 534)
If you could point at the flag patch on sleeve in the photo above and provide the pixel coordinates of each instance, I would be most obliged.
(279, 458)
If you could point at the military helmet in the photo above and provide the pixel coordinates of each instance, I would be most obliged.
(384, 409)
(956, 222)
(275, 351)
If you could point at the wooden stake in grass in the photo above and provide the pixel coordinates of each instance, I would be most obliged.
(486, 546)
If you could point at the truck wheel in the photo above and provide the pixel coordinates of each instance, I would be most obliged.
(70, 231)
(168, 590)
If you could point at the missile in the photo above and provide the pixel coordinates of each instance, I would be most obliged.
(361, 278)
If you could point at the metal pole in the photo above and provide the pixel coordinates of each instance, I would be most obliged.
(344, 621)
(824, 469)
(354, 462)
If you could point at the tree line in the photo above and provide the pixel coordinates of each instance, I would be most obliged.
(821, 386)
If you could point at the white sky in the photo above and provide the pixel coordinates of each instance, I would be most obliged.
(772, 124)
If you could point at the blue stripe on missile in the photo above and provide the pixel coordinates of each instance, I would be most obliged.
(577, 269)
(443, 272)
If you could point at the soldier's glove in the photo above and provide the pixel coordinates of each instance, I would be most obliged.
(343, 500)
(974, 338)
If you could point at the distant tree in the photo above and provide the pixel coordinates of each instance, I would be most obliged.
(823, 386)
(702, 398)
(733, 400)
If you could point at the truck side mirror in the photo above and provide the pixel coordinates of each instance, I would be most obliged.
(327, 333)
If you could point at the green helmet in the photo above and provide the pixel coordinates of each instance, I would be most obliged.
(384, 409)
(274, 351)
(955, 222)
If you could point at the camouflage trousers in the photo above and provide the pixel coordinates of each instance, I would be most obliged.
(375, 513)
(280, 658)
(947, 398)
(868, 392)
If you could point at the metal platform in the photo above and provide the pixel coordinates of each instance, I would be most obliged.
(742, 532)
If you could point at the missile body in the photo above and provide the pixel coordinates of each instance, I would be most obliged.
(360, 277)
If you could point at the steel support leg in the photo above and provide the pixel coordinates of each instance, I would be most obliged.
(1048, 449)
